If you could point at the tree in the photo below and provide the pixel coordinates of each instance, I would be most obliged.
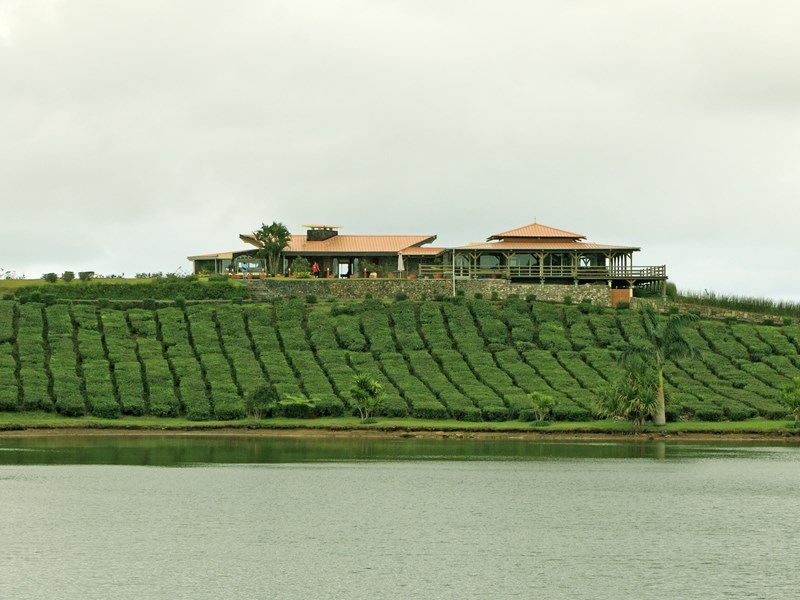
(791, 398)
(272, 239)
(541, 404)
(634, 395)
(664, 342)
(367, 395)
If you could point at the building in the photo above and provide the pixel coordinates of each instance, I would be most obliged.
(533, 253)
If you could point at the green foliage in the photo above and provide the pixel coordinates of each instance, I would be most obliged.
(791, 398)
(86, 276)
(784, 308)
(366, 394)
(160, 289)
(541, 405)
(273, 239)
(301, 266)
(633, 396)
(68, 276)
(50, 277)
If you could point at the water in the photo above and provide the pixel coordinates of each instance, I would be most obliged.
(188, 517)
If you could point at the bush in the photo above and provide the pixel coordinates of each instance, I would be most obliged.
(400, 296)
(49, 299)
(50, 277)
(149, 304)
(343, 309)
(495, 413)
(495, 295)
(623, 305)
(478, 296)
(311, 299)
(567, 299)
(709, 414)
(530, 298)
(459, 292)
(436, 412)
(180, 302)
(300, 265)
(86, 275)
(68, 276)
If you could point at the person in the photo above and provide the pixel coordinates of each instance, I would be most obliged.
(315, 269)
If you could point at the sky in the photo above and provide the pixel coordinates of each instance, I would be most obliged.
(134, 133)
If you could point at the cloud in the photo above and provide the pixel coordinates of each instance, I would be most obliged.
(133, 134)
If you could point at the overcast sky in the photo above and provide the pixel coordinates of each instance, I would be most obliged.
(135, 133)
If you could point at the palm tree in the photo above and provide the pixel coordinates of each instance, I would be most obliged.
(273, 239)
(367, 395)
(665, 342)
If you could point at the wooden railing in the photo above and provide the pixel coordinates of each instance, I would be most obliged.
(548, 272)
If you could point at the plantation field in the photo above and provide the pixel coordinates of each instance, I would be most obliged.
(472, 360)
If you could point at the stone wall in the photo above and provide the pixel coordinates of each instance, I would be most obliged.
(420, 289)
(344, 289)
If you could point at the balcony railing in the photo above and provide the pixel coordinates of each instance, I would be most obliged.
(547, 272)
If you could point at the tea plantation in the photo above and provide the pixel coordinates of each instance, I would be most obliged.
(468, 359)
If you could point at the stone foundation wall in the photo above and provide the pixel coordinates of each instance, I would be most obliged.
(346, 289)
(420, 289)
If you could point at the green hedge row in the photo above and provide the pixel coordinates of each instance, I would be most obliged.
(158, 290)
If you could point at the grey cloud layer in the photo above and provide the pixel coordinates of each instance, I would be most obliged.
(135, 133)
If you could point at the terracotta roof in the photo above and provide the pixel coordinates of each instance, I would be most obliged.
(220, 255)
(350, 244)
(535, 230)
(426, 251)
(543, 245)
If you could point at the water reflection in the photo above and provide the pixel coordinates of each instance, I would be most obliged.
(180, 450)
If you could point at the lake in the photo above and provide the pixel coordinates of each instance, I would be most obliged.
(258, 517)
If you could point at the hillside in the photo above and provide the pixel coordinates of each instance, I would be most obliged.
(469, 359)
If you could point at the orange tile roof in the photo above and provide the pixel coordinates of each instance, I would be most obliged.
(535, 230)
(543, 245)
(426, 251)
(350, 244)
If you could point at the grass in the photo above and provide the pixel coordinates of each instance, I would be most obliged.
(45, 420)
(751, 304)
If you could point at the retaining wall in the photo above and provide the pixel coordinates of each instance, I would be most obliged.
(420, 289)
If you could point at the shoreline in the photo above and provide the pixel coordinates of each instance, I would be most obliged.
(777, 436)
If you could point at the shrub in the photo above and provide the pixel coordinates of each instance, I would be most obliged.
(459, 292)
(343, 309)
(439, 297)
(787, 321)
(399, 296)
(567, 299)
(86, 275)
(49, 299)
(467, 413)
(301, 266)
(478, 296)
(433, 411)
(623, 305)
(495, 295)
(50, 277)
(180, 301)
(103, 303)
(709, 414)
(530, 298)
(149, 304)
(311, 299)
(495, 413)
(68, 276)
(296, 407)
